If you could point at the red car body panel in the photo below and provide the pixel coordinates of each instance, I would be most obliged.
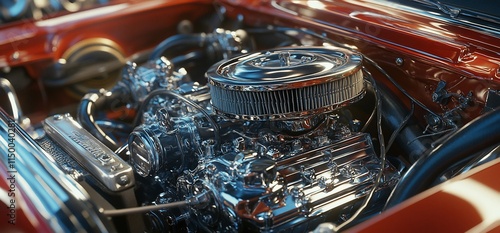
(431, 50)
(127, 27)
(133, 25)
(467, 203)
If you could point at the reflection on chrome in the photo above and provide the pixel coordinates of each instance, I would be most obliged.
(60, 200)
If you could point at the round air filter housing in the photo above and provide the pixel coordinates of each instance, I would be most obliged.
(286, 83)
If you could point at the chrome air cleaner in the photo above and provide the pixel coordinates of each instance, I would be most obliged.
(287, 83)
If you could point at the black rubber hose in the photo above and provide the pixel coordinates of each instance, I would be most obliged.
(178, 43)
(92, 102)
(69, 74)
(477, 135)
(394, 113)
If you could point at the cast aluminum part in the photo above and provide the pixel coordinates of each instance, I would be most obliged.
(273, 169)
(95, 157)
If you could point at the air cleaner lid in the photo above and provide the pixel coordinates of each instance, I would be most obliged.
(285, 82)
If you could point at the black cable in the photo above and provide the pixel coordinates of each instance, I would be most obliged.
(178, 43)
(378, 179)
(94, 101)
(144, 209)
(401, 126)
(479, 134)
(450, 130)
(396, 131)
(114, 125)
(370, 118)
(420, 104)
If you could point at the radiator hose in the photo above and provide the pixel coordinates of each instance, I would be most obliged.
(96, 101)
(479, 134)
(179, 43)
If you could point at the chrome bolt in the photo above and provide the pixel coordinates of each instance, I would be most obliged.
(284, 58)
(123, 179)
(400, 61)
(58, 117)
(15, 55)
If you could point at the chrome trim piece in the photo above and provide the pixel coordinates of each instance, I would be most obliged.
(58, 198)
(14, 102)
(284, 69)
(93, 155)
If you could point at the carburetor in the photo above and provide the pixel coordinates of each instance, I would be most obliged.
(263, 143)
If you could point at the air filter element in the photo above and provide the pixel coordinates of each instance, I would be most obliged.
(287, 83)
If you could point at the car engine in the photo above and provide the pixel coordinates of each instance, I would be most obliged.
(268, 144)
(264, 149)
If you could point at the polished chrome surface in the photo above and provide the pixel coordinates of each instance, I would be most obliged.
(141, 80)
(284, 68)
(94, 156)
(153, 146)
(283, 191)
(259, 175)
(266, 145)
(58, 198)
(286, 83)
(14, 102)
(264, 180)
(232, 42)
